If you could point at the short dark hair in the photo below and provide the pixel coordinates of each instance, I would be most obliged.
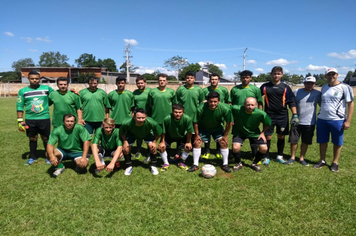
(119, 79)
(177, 107)
(140, 78)
(140, 110)
(69, 116)
(62, 79)
(91, 78)
(162, 75)
(277, 68)
(213, 75)
(189, 73)
(214, 94)
(246, 72)
(33, 72)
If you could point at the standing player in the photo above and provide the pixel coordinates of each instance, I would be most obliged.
(306, 100)
(208, 121)
(177, 127)
(140, 127)
(73, 144)
(277, 96)
(121, 101)
(333, 117)
(95, 105)
(35, 100)
(247, 119)
(64, 102)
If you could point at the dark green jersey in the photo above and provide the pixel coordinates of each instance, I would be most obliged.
(224, 93)
(190, 98)
(69, 140)
(35, 102)
(149, 127)
(121, 103)
(94, 103)
(108, 142)
(238, 94)
(67, 103)
(177, 129)
(247, 125)
(140, 98)
(161, 103)
(213, 120)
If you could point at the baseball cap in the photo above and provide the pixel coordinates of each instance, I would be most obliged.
(246, 72)
(331, 70)
(309, 79)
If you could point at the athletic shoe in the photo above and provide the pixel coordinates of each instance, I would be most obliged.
(58, 171)
(117, 164)
(334, 167)
(226, 168)
(280, 159)
(266, 161)
(218, 155)
(320, 164)
(256, 167)
(165, 167)
(238, 167)
(137, 155)
(47, 161)
(175, 159)
(154, 170)
(205, 156)
(193, 168)
(304, 163)
(146, 160)
(128, 170)
(290, 161)
(31, 161)
(182, 166)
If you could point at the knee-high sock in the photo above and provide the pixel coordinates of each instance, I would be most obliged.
(207, 146)
(101, 158)
(45, 145)
(268, 148)
(164, 157)
(128, 160)
(218, 148)
(237, 157)
(196, 155)
(33, 148)
(258, 157)
(153, 159)
(253, 150)
(225, 155)
(280, 146)
(138, 144)
(185, 155)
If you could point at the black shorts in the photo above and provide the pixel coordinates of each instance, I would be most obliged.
(281, 123)
(254, 142)
(106, 152)
(42, 127)
(306, 131)
(180, 143)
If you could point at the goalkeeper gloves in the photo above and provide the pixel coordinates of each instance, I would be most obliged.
(295, 120)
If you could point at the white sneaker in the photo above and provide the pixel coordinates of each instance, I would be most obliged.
(128, 170)
(154, 170)
(147, 159)
(58, 171)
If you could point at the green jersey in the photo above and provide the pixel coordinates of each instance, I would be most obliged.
(149, 127)
(161, 103)
(35, 102)
(94, 103)
(121, 103)
(108, 142)
(238, 94)
(67, 103)
(247, 125)
(190, 98)
(69, 140)
(213, 120)
(177, 129)
(140, 98)
(224, 93)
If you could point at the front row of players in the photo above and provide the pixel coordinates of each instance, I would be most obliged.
(74, 140)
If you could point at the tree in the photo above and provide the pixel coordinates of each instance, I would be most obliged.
(109, 64)
(191, 67)
(10, 76)
(176, 63)
(213, 69)
(84, 77)
(53, 59)
(123, 68)
(87, 60)
(26, 62)
(262, 78)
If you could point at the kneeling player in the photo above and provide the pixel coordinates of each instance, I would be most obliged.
(140, 127)
(177, 127)
(247, 120)
(73, 144)
(107, 143)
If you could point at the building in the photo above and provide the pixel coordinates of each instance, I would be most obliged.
(203, 76)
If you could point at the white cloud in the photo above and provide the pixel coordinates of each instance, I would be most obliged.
(33, 50)
(28, 39)
(343, 55)
(9, 34)
(132, 42)
(46, 39)
(251, 62)
(280, 62)
(221, 66)
(230, 77)
(312, 67)
(259, 70)
(142, 70)
(234, 65)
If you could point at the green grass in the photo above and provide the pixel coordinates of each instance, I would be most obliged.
(283, 200)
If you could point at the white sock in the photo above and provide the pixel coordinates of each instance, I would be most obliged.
(101, 158)
(279, 157)
(164, 157)
(225, 155)
(196, 155)
(185, 155)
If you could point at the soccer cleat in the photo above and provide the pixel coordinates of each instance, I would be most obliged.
(31, 161)
(97, 171)
(117, 164)
(58, 171)
(137, 155)
(334, 167)
(280, 159)
(256, 167)
(193, 168)
(154, 170)
(205, 156)
(147, 159)
(47, 161)
(266, 161)
(128, 170)
(290, 161)
(238, 167)
(218, 155)
(304, 163)
(320, 164)
(226, 168)
(182, 166)
(165, 167)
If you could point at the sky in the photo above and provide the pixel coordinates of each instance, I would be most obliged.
(301, 36)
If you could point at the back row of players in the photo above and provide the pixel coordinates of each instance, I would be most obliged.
(188, 116)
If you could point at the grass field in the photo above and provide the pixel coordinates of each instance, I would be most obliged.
(282, 200)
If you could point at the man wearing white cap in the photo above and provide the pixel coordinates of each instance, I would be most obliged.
(333, 117)
(306, 100)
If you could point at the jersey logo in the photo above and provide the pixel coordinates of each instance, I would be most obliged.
(19, 100)
(37, 105)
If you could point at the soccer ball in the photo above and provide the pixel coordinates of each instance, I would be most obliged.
(208, 171)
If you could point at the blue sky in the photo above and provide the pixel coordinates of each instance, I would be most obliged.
(301, 36)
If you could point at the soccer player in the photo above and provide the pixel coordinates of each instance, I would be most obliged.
(333, 117)
(73, 144)
(107, 142)
(65, 102)
(95, 105)
(277, 96)
(306, 100)
(140, 127)
(177, 127)
(34, 98)
(247, 119)
(208, 121)
(121, 100)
